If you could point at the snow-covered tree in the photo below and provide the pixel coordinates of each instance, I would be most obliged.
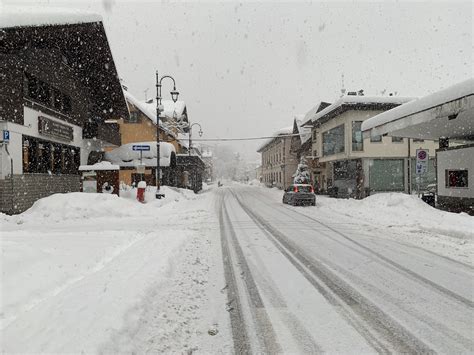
(302, 175)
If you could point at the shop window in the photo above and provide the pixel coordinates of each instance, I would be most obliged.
(44, 157)
(345, 170)
(387, 175)
(357, 140)
(456, 178)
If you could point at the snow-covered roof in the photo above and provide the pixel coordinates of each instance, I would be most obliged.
(183, 139)
(280, 132)
(207, 154)
(438, 98)
(125, 156)
(311, 113)
(304, 132)
(169, 108)
(349, 100)
(28, 16)
(146, 110)
(103, 165)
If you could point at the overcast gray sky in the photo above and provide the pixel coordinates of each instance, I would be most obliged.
(245, 69)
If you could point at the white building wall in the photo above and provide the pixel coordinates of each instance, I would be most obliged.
(462, 158)
(30, 128)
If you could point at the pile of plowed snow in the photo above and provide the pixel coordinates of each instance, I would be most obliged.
(399, 209)
(84, 206)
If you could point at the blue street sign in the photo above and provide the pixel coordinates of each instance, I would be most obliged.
(141, 147)
(6, 136)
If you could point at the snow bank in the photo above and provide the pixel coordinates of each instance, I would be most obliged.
(78, 205)
(78, 267)
(256, 182)
(84, 206)
(402, 210)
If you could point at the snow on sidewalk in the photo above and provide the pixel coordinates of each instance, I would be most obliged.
(81, 271)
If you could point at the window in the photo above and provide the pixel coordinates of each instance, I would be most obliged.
(333, 141)
(397, 140)
(357, 140)
(44, 157)
(134, 117)
(456, 178)
(416, 140)
(46, 94)
(306, 189)
(375, 139)
(67, 105)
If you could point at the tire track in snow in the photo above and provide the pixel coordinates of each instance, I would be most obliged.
(239, 332)
(265, 333)
(343, 296)
(392, 263)
(303, 339)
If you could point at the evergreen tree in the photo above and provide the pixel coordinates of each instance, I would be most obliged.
(302, 175)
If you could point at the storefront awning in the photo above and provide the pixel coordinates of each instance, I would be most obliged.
(447, 113)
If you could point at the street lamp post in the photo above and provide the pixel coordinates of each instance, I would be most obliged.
(159, 109)
(189, 136)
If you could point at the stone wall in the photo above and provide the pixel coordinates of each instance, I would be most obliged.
(28, 188)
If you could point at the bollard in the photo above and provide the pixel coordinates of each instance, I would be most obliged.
(141, 191)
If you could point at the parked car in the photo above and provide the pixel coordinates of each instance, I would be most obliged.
(429, 195)
(299, 194)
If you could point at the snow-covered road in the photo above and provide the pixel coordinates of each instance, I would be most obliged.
(234, 270)
(299, 281)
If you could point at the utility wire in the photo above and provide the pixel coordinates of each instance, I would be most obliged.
(241, 139)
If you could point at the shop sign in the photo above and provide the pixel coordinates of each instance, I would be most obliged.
(54, 129)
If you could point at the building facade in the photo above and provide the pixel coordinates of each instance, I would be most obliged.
(56, 100)
(356, 166)
(446, 116)
(140, 127)
(278, 162)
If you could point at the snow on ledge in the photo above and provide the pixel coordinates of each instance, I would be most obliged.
(368, 100)
(103, 165)
(125, 156)
(21, 16)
